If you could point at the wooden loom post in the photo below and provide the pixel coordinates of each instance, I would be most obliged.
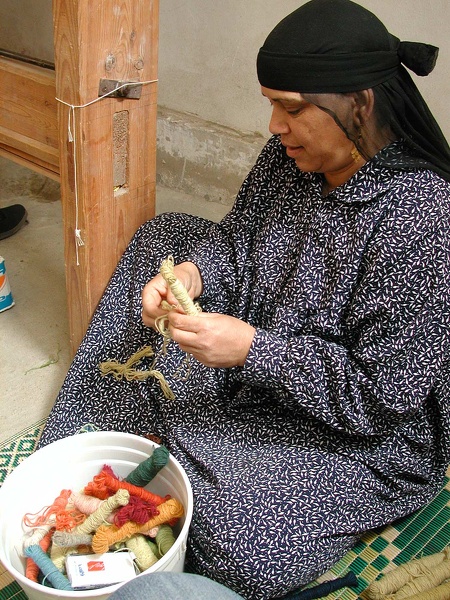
(107, 175)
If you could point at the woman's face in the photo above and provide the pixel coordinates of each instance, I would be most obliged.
(310, 135)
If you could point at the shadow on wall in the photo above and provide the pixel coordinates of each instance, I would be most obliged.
(16, 180)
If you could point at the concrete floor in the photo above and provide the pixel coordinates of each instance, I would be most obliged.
(34, 347)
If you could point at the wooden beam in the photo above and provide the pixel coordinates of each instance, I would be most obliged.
(28, 123)
(108, 175)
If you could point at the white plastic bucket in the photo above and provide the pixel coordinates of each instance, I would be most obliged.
(71, 463)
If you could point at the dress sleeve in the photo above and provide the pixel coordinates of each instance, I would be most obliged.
(395, 334)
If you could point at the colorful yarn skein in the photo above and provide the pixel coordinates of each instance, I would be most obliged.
(56, 514)
(136, 510)
(107, 535)
(32, 569)
(145, 557)
(164, 539)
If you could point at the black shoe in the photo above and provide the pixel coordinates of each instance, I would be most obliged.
(12, 218)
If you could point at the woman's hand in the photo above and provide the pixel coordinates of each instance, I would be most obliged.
(157, 290)
(215, 340)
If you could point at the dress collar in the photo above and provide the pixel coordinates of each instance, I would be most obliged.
(375, 177)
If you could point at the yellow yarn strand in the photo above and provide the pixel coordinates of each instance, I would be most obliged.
(177, 288)
(58, 555)
(126, 371)
(101, 514)
(187, 304)
(180, 293)
(442, 592)
(411, 578)
(428, 581)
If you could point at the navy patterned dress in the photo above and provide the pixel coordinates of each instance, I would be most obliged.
(339, 421)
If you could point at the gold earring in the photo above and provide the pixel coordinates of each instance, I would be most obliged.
(355, 154)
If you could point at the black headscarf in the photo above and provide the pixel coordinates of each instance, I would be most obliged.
(337, 46)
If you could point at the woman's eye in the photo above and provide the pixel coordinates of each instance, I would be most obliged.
(293, 111)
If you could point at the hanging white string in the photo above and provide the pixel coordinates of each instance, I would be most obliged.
(71, 135)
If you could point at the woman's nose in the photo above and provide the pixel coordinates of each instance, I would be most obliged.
(278, 123)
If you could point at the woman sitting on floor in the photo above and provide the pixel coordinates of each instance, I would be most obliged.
(316, 405)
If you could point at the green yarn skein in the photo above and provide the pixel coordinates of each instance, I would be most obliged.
(147, 469)
(165, 539)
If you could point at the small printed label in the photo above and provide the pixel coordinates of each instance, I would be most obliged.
(91, 571)
(96, 565)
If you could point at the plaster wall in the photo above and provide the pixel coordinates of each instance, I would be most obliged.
(26, 28)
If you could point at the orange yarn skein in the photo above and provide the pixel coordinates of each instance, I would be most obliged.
(43, 516)
(56, 514)
(104, 484)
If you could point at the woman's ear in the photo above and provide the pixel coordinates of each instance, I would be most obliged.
(363, 107)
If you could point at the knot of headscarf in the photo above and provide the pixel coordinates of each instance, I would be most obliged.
(418, 57)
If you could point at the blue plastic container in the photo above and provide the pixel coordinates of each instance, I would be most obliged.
(6, 298)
